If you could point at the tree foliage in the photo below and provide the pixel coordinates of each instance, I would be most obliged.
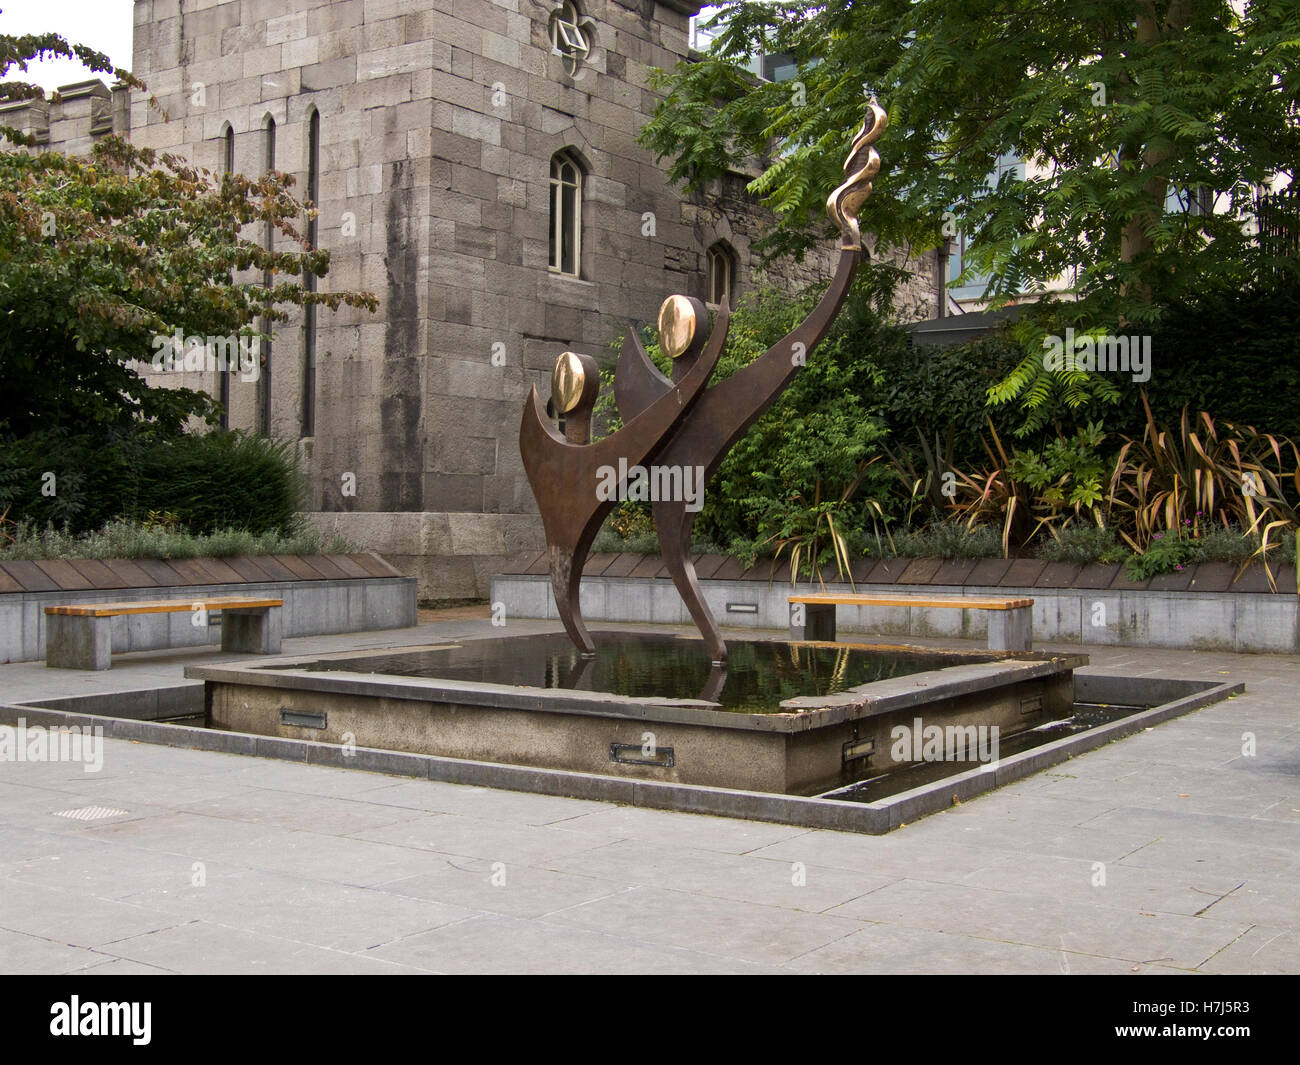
(101, 255)
(1115, 102)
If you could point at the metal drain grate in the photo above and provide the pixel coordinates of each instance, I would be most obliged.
(90, 813)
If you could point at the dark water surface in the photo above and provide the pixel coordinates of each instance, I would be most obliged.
(891, 781)
(758, 674)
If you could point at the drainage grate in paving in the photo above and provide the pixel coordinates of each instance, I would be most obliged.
(90, 813)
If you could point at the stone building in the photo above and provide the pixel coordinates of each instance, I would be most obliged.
(475, 166)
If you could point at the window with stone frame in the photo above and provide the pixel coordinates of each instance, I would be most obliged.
(721, 274)
(571, 34)
(566, 215)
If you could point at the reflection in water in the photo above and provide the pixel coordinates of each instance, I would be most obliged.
(713, 687)
(757, 676)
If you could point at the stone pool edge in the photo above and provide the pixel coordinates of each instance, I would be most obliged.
(805, 812)
(805, 713)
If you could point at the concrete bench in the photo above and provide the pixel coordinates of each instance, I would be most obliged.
(1011, 621)
(79, 635)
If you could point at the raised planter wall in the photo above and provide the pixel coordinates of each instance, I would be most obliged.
(1200, 608)
(322, 594)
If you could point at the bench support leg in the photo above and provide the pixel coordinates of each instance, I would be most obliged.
(78, 642)
(1011, 630)
(254, 632)
(812, 621)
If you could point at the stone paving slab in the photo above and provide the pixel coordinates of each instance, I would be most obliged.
(507, 889)
(475, 801)
(497, 944)
(24, 954)
(763, 935)
(896, 950)
(1048, 921)
(219, 863)
(63, 916)
(206, 947)
(320, 914)
(1265, 949)
(495, 841)
(1082, 883)
(765, 881)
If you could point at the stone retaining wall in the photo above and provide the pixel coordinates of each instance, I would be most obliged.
(1201, 608)
(322, 594)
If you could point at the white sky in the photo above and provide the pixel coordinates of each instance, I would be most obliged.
(101, 24)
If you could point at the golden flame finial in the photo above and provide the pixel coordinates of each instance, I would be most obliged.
(861, 166)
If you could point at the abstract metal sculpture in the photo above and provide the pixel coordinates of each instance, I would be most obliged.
(564, 471)
(677, 423)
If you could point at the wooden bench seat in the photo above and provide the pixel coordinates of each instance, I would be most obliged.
(79, 635)
(1011, 621)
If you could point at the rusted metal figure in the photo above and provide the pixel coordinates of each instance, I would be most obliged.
(566, 471)
(730, 407)
(675, 423)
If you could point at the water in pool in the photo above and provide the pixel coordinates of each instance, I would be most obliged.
(758, 675)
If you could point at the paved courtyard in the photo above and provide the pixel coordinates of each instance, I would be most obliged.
(1170, 851)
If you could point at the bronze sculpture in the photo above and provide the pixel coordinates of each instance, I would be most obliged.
(676, 423)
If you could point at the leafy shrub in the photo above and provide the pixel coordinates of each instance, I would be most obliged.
(123, 539)
(1164, 554)
(609, 542)
(938, 539)
(948, 539)
(1185, 483)
(1029, 493)
(216, 480)
(817, 440)
(1081, 545)
(1205, 474)
(225, 480)
(77, 480)
(1228, 545)
(1233, 352)
(1169, 552)
(931, 392)
(1066, 473)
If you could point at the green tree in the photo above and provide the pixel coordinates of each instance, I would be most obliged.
(1118, 102)
(99, 256)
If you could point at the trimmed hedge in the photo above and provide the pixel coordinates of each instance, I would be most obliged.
(1234, 354)
(203, 483)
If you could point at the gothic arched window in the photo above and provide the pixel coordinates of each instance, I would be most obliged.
(566, 214)
(722, 274)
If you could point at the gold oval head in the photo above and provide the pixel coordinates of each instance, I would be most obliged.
(680, 321)
(568, 382)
